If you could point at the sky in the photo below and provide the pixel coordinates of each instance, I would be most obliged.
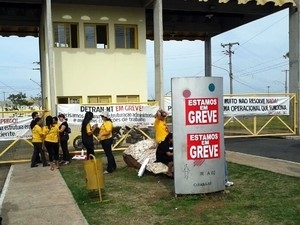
(258, 64)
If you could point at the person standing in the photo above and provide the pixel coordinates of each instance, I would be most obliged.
(51, 133)
(63, 138)
(35, 115)
(87, 132)
(160, 126)
(106, 140)
(37, 141)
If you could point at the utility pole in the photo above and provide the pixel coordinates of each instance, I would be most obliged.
(285, 82)
(268, 89)
(3, 104)
(229, 53)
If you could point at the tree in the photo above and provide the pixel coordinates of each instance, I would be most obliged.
(18, 100)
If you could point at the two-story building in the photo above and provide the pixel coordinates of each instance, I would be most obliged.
(99, 54)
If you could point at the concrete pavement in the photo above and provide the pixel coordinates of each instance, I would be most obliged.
(274, 165)
(38, 196)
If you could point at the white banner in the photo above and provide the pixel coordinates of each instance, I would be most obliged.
(136, 114)
(168, 104)
(245, 106)
(13, 128)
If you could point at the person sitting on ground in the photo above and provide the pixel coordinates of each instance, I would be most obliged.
(164, 154)
(160, 126)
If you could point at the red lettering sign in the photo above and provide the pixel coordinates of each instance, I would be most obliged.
(203, 146)
(201, 111)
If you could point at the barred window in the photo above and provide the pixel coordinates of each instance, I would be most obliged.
(126, 36)
(65, 35)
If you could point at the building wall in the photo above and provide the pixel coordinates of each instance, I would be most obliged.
(98, 72)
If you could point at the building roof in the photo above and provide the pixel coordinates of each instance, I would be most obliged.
(182, 19)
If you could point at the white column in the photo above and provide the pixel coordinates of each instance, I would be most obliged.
(294, 56)
(158, 51)
(51, 78)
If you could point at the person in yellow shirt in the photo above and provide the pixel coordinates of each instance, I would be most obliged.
(37, 141)
(160, 126)
(51, 133)
(106, 140)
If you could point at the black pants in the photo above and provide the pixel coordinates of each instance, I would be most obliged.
(111, 163)
(37, 149)
(65, 150)
(52, 148)
(89, 148)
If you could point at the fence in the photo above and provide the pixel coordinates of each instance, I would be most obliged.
(19, 148)
(282, 122)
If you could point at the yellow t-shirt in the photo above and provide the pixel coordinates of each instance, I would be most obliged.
(161, 130)
(52, 134)
(37, 134)
(88, 128)
(106, 126)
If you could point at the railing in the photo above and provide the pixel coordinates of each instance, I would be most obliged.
(20, 149)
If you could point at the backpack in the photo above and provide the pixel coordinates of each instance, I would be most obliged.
(69, 130)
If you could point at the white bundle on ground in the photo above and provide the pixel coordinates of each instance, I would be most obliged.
(139, 152)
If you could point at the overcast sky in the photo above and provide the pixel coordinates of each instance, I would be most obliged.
(258, 63)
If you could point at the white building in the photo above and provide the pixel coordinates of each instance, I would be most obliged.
(99, 54)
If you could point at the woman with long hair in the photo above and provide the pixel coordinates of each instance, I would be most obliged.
(105, 137)
(87, 134)
(51, 141)
(63, 138)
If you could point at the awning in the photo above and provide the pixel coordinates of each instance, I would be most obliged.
(259, 2)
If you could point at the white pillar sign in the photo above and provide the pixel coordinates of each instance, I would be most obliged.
(197, 110)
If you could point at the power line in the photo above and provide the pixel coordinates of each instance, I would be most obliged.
(8, 86)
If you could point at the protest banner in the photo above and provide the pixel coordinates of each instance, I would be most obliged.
(130, 115)
(256, 106)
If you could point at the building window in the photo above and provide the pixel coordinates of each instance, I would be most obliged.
(128, 98)
(65, 35)
(99, 99)
(96, 35)
(69, 100)
(126, 36)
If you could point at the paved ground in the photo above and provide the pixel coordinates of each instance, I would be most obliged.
(275, 148)
(38, 196)
(275, 165)
(279, 155)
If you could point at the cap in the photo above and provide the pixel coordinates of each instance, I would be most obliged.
(105, 114)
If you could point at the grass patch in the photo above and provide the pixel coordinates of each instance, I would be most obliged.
(258, 197)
